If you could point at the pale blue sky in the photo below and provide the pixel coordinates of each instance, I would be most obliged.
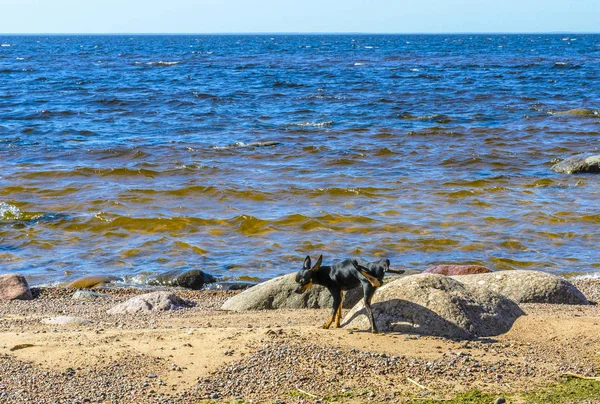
(233, 16)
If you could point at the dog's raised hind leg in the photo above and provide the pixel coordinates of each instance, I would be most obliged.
(372, 280)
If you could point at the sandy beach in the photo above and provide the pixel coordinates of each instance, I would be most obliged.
(205, 354)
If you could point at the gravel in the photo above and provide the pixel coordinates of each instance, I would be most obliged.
(284, 363)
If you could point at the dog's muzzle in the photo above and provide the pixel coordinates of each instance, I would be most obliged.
(302, 289)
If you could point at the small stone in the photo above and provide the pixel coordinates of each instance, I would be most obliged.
(65, 320)
(87, 295)
(500, 400)
(160, 301)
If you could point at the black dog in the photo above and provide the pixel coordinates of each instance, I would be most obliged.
(342, 276)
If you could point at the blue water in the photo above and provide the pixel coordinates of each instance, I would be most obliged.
(136, 155)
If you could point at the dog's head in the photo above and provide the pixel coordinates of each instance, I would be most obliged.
(304, 276)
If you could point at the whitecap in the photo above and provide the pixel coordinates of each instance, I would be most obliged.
(368, 47)
(359, 64)
(5, 45)
(9, 212)
(414, 70)
(313, 124)
(163, 63)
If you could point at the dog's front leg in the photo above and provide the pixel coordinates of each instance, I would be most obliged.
(336, 294)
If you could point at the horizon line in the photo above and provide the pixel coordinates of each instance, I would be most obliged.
(309, 33)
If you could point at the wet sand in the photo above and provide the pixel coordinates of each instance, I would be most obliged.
(202, 353)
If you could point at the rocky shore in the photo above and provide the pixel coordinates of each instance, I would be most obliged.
(199, 352)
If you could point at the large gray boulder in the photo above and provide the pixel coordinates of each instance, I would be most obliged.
(524, 286)
(156, 301)
(278, 293)
(14, 287)
(437, 305)
(580, 163)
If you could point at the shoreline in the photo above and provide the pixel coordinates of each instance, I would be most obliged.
(203, 353)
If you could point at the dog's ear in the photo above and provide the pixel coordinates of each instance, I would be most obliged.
(387, 264)
(306, 262)
(356, 265)
(318, 264)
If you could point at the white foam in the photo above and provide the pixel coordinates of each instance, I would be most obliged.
(591, 275)
(9, 212)
(359, 64)
(233, 145)
(163, 63)
(5, 45)
(314, 124)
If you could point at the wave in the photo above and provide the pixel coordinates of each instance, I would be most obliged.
(47, 113)
(242, 145)
(439, 118)
(287, 84)
(565, 65)
(11, 214)
(312, 124)
(159, 63)
(321, 96)
(107, 223)
(260, 195)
